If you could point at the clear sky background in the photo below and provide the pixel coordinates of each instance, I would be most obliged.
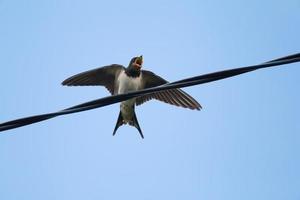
(244, 144)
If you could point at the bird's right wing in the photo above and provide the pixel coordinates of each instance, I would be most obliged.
(104, 76)
(175, 97)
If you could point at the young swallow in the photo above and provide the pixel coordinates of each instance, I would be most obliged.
(118, 80)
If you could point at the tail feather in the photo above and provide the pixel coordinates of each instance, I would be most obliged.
(119, 123)
(137, 126)
(134, 123)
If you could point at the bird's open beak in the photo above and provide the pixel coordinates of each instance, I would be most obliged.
(139, 61)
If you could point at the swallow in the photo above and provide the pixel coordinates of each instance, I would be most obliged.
(119, 79)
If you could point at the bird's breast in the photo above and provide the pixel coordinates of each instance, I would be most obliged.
(127, 83)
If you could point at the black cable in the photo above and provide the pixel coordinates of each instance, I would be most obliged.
(122, 97)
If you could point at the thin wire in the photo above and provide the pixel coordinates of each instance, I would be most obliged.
(206, 78)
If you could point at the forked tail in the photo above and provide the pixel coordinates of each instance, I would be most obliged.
(134, 123)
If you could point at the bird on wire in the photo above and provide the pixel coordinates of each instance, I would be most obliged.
(119, 80)
(147, 92)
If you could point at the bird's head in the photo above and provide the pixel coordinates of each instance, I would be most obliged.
(136, 63)
(134, 67)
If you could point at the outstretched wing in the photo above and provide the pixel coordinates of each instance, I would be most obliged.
(175, 97)
(104, 76)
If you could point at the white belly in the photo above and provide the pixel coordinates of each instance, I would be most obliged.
(127, 84)
(127, 110)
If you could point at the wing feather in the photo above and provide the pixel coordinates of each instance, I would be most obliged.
(104, 76)
(175, 97)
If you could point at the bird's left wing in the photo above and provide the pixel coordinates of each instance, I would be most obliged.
(175, 97)
(104, 76)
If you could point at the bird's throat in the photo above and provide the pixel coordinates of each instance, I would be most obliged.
(132, 72)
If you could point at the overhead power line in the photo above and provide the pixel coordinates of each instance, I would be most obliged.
(196, 80)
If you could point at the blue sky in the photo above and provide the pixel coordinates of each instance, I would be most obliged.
(244, 144)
